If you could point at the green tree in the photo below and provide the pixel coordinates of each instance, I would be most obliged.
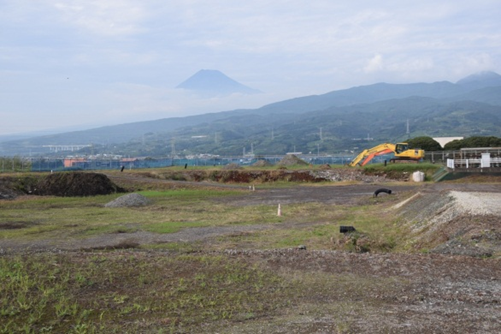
(456, 144)
(482, 141)
(425, 143)
(475, 141)
(14, 164)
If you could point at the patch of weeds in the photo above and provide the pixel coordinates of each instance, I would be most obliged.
(428, 168)
(314, 236)
(125, 229)
(27, 183)
(170, 227)
(88, 292)
(181, 247)
(102, 229)
(178, 177)
(124, 244)
(356, 242)
(14, 225)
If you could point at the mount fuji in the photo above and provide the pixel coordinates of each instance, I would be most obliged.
(211, 83)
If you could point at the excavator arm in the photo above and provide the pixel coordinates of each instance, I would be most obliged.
(401, 151)
(367, 155)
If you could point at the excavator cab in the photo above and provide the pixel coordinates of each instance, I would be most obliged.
(401, 147)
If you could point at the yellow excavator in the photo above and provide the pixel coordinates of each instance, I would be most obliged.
(401, 151)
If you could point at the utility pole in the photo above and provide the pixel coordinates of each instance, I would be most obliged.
(321, 136)
(173, 147)
(408, 131)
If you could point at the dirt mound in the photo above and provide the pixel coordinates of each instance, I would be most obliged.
(262, 163)
(12, 187)
(270, 175)
(232, 166)
(7, 189)
(291, 160)
(76, 184)
(129, 200)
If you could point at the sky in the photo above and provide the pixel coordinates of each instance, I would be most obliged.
(79, 64)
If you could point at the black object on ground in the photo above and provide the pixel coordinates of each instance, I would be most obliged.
(346, 229)
(382, 190)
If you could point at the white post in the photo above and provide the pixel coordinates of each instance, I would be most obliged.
(279, 213)
(450, 163)
(485, 162)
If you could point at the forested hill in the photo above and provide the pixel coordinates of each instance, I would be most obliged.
(339, 120)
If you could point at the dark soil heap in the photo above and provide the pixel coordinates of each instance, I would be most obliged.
(232, 166)
(8, 188)
(76, 184)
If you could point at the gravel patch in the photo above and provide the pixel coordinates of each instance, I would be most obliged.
(429, 210)
(477, 203)
(454, 222)
(129, 200)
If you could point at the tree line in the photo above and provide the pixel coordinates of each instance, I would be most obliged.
(12, 164)
(429, 144)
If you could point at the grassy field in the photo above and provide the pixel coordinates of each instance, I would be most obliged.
(122, 292)
(186, 287)
(173, 210)
(132, 292)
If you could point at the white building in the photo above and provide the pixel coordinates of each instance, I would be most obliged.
(444, 140)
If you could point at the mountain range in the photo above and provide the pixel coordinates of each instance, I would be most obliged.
(348, 119)
(212, 83)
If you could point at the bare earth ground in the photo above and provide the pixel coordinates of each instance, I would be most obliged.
(428, 294)
(442, 292)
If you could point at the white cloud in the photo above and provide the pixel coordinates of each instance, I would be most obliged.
(375, 64)
(108, 18)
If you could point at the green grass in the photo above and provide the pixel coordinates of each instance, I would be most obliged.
(313, 224)
(170, 227)
(96, 293)
(86, 216)
(403, 167)
(125, 292)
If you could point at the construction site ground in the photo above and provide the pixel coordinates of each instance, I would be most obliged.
(454, 287)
